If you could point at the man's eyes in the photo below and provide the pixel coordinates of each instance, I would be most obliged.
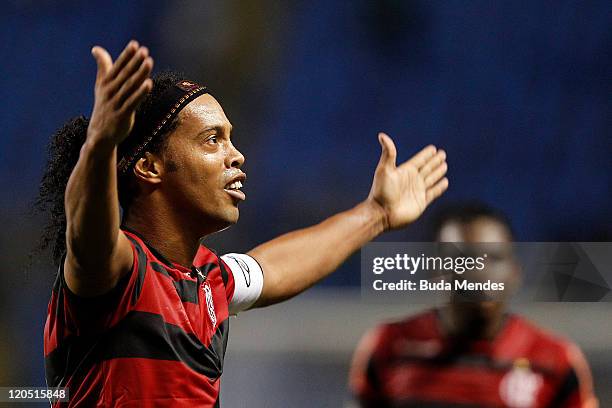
(214, 138)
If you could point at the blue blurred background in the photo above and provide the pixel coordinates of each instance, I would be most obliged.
(518, 93)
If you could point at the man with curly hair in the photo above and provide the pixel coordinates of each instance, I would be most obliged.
(139, 310)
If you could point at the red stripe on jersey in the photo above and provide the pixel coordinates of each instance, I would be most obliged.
(230, 286)
(135, 383)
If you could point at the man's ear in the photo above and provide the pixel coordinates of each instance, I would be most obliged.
(149, 168)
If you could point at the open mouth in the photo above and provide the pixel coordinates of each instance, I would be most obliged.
(233, 189)
(234, 185)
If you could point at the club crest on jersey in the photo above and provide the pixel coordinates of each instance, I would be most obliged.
(519, 387)
(210, 306)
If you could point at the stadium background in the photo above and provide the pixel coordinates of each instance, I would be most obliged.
(518, 93)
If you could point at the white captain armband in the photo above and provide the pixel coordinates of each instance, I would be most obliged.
(248, 281)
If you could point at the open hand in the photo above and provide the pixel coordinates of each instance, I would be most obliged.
(120, 87)
(404, 191)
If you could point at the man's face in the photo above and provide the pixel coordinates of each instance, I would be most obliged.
(202, 167)
(492, 237)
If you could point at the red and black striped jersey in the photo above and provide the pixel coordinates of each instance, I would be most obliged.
(412, 364)
(157, 339)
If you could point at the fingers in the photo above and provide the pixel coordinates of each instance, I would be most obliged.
(127, 53)
(135, 98)
(389, 152)
(436, 175)
(432, 163)
(130, 68)
(134, 82)
(434, 169)
(436, 191)
(126, 81)
(103, 61)
(421, 158)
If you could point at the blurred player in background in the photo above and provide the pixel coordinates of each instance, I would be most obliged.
(139, 311)
(471, 353)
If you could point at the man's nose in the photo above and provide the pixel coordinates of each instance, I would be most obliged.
(235, 158)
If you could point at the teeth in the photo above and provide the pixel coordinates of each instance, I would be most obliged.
(235, 185)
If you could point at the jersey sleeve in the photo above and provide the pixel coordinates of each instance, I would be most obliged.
(247, 276)
(94, 314)
(576, 391)
(364, 379)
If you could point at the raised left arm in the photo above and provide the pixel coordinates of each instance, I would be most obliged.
(295, 261)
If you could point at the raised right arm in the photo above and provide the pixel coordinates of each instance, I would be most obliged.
(98, 253)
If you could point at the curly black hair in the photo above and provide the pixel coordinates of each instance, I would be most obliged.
(63, 153)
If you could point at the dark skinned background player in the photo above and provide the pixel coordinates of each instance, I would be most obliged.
(471, 352)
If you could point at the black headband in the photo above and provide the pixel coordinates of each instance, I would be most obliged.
(156, 119)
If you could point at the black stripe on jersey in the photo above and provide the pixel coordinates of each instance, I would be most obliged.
(186, 289)
(224, 273)
(466, 360)
(138, 335)
(142, 269)
(109, 298)
(372, 374)
(157, 267)
(568, 386)
(206, 269)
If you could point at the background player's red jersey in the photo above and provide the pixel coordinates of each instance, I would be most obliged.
(412, 364)
(157, 339)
